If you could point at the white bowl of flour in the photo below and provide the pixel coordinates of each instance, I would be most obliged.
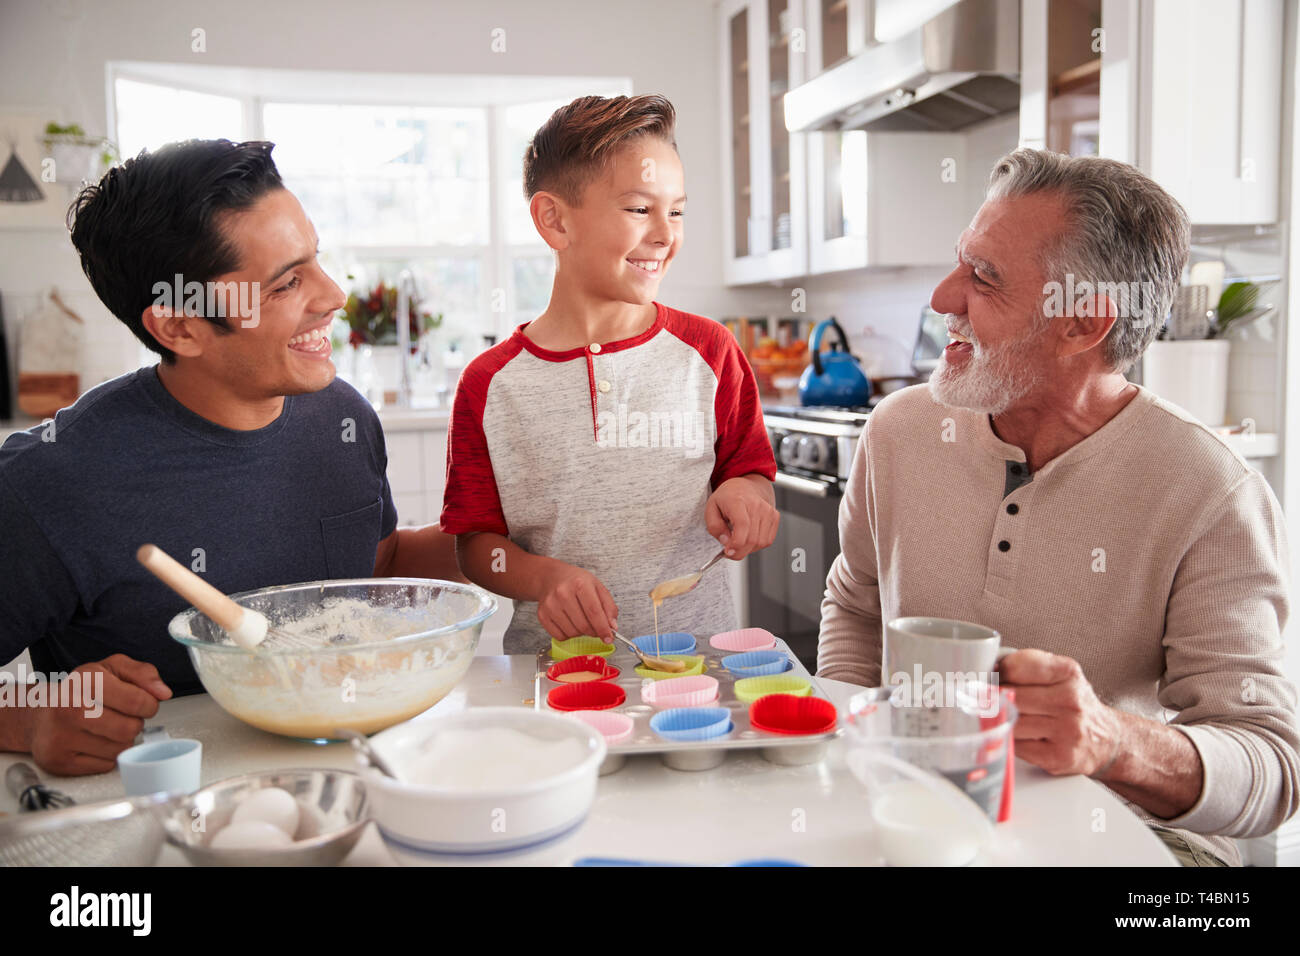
(483, 780)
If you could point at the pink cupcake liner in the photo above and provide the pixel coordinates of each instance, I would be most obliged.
(746, 639)
(696, 691)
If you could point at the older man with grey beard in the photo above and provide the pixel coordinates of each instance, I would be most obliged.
(1138, 564)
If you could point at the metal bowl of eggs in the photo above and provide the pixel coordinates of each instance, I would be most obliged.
(277, 818)
(360, 654)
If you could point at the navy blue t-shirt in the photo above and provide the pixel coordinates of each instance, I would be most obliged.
(303, 499)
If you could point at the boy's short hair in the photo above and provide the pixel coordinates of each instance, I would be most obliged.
(572, 147)
(158, 215)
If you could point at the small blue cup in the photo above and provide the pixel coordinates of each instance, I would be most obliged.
(160, 763)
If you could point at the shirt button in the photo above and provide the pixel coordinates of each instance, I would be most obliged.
(1015, 469)
(1004, 545)
(1012, 508)
(603, 386)
(595, 347)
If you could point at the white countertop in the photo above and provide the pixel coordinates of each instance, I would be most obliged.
(744, 809)
(395, 419)
(392, 417)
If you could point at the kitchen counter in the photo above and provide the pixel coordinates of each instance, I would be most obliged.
(745, 809)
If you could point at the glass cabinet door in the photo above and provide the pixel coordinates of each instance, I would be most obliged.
(764, 46)
(738, 107)
(778, 71)
(834, 20)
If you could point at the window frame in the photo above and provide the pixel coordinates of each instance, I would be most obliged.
(495, 258)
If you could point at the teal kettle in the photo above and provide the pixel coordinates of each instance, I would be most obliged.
(835, 378)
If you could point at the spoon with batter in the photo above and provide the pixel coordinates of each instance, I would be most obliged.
(675, 587)
(654, 663)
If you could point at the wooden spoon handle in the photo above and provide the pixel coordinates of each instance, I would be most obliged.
(190, 586)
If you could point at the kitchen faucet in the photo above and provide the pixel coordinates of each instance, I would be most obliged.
(406, 287)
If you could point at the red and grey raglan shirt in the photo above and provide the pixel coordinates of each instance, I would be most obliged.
(604, 457)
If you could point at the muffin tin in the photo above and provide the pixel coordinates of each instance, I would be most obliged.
(812, 722)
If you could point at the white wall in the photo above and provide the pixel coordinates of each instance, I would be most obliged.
(53, 56)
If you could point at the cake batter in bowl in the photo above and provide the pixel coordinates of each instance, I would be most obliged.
(378, 651)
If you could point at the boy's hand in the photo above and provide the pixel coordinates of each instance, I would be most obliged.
(574, 602)
(742, 515)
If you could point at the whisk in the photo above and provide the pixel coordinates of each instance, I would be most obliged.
(31, 794)
(246, 627)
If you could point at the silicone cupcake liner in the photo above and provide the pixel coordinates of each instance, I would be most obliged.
(592, 663)
(692, 723)
(788, 714)
(746, 639)
(615, 728)
(680, 692)
(596, 695)
(678, 642)
(782, 742)
(751, 689)
(694, 665)
(757, 663)
(578, 646)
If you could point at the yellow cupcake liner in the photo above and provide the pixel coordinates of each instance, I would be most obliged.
(578, 646)
(694, 666)
(751, 689)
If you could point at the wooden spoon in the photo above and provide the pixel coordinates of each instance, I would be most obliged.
(246, 627)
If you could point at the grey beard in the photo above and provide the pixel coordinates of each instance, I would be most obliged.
(991, 382)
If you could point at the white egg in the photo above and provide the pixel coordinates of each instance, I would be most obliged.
(269, 805)
(250, 835)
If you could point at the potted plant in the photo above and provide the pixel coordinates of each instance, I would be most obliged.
(77, 157)
(1187, 364)
(371, 316)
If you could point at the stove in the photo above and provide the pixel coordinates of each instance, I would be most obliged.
(814, 445)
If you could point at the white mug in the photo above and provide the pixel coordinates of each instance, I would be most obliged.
(927, 660)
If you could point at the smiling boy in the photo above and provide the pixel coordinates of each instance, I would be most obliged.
(605, 445)
(239, 453)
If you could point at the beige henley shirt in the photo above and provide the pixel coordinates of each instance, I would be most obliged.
(1150, 552)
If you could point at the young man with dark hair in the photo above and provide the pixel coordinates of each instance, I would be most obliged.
(605, 445)
(239, 454)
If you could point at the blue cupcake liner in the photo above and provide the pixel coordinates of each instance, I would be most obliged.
(692, 723)
(678, 642)
(757, 663)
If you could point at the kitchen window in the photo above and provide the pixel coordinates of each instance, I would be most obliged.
(425, 174)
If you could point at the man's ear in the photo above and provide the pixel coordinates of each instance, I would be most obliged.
(550, 215)
(172, 331)
(1094, 316)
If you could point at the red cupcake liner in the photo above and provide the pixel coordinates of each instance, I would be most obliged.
(584, 662)
(595, 695)
(791, 715)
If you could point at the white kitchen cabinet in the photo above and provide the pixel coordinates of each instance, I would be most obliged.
(855, 199)
(893, 18)
(1215, 105)
(886, 199)
(762, 53)
(1191, 94)
(417, 463)
(837, 162)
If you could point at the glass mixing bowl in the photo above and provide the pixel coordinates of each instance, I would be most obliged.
(366, 653)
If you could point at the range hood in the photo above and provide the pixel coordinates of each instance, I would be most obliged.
(959, 68)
